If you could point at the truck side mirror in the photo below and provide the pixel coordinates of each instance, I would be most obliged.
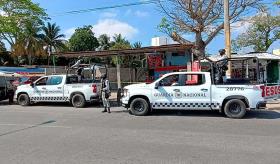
(32, 85)
(156, 85)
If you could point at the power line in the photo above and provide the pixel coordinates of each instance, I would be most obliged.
(103, 8)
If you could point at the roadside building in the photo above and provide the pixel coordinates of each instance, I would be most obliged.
(160, 58)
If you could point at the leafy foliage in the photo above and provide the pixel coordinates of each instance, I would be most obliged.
(137, 45)
(29, 43)
(120, 43)
(17, 15)
(104, 42)
(263, 31)
(53, 39)
(83, 40)
(2, 47)
(5, 58)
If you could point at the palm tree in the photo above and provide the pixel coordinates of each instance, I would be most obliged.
(53, 39)
(137, 45)
(119, 42)
(29, 43)
(33, 41)
(104, 42)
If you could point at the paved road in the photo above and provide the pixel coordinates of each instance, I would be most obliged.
(61, 134)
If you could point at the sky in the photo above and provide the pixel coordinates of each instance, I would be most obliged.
(136, 23)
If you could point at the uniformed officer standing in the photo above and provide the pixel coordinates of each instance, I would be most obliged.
(105, 93)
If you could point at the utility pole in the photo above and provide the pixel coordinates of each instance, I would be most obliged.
(118, 72)
(227, 35)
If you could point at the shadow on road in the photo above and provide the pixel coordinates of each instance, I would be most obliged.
(250, 115)
(268, 114)
(67, 104)
(192, 113)
(34, 126)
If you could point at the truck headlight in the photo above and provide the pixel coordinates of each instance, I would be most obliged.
(125, 92)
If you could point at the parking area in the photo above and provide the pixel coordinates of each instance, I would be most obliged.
(59, 133)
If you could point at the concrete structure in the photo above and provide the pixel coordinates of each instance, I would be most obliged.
(276, 52)
(159, 41)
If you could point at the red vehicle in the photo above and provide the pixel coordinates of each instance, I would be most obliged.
(24, 80)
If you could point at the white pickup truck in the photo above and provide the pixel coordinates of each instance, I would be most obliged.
(192, 91)
(58, 88)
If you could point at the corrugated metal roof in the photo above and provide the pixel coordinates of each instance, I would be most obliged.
(264, 56)
(261, 56)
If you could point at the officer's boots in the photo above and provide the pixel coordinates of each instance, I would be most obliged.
(109, 111)
(105, 110)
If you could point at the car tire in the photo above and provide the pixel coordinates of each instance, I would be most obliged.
(139, 107)
(78, 101)
(235, 108)
(23, 100)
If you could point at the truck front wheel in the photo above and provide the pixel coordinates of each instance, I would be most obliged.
(78, 101)
(235, 108)
(139, 107)
(23, 100)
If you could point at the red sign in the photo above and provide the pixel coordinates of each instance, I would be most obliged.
(154, 61)
(269, 91)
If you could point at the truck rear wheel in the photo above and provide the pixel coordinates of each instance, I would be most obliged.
(235, 108)
(139, 107)
(23, 100)
(78, 101)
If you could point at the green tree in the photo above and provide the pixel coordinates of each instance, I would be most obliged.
(263, 31)
(203, 19)
(30, 43)
(120, 43)
(104, 42)
(53, 39)
(2, 47)
(15, 16)
(137, 45)
(5, 58)
(83, 40)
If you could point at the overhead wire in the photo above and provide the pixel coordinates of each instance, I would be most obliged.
(102, 8)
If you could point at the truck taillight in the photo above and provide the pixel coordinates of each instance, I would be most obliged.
(94, 88)
(256, 87)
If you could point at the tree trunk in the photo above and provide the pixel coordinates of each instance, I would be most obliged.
(199, 45)
(49, 54)
(29, 59)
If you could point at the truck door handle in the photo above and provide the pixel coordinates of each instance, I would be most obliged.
(204, 90)
(44, 88)
(176, 90)
(58, 87)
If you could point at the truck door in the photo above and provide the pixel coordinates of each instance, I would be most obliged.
(39, 89)
(183, 91)
(55, 89)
